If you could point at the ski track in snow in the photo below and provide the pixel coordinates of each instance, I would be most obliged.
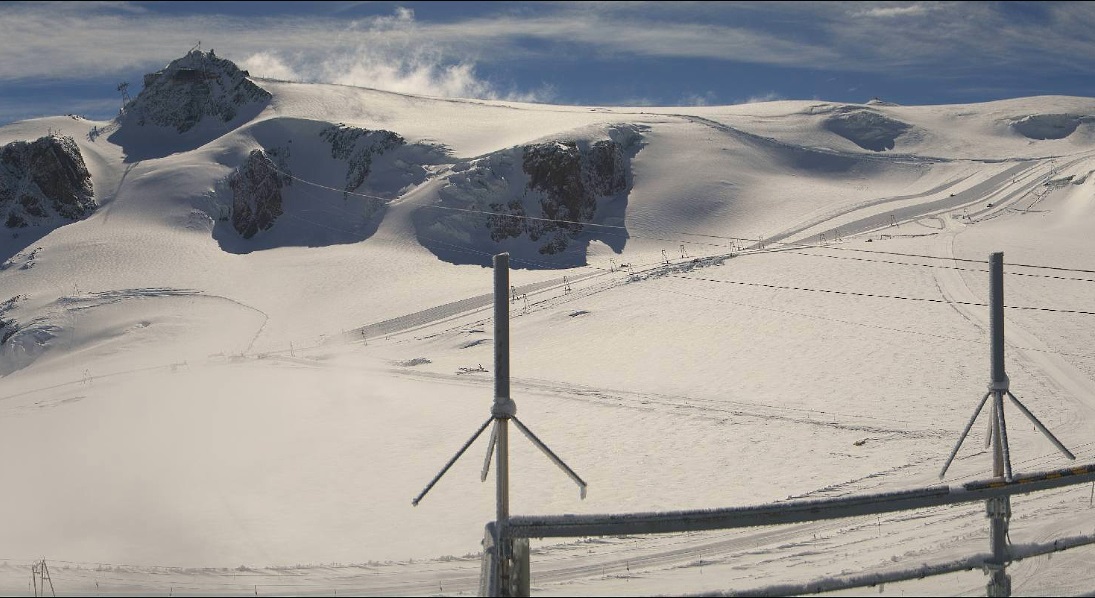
(738, 558)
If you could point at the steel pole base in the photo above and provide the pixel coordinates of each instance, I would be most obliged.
(1000, 584)
(999, 513)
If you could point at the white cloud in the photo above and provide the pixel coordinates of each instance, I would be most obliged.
(268, 66)
(414, 75)
(894, 11)
(399, 52)
(390, 56)
(386, 52)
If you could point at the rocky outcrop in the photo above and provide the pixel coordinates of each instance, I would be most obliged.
(42, 181)
(358, 147)
(866, 128)
(565, 181)
(8, 325)
(349, 175)
(571, 179)
(538, 198)
(191, 88)
(256, 194)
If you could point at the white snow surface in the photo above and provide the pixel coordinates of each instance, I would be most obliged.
(179, 415)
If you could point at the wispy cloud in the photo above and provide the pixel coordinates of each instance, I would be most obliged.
(390, 56)
(401, 52)
(894, 11)
(385, 52)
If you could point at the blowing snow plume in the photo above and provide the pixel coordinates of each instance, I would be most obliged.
(536, 202)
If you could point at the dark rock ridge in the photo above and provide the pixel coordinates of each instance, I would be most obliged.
(539, 198)
(566, 179)
(191, 88)
(367, 166)
(358, 147)
(866, 128)
(43, 179)
(8, 326)
(256, 193)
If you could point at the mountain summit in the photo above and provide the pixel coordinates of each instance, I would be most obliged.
(191, 88)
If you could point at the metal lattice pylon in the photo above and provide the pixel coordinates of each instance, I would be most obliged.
(39, 574)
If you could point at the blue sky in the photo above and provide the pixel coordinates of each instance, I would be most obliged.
(60, 57)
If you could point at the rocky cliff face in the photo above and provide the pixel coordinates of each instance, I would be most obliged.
(191, 88)
(536, 200)
(43, 180)
(570, 179)
(8, 325)
(545, 192)
(358, 147)
(368, 167)
(256, 194)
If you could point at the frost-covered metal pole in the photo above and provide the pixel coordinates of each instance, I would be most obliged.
(503, 409)
(998, 509)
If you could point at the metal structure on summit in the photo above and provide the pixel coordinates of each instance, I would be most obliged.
(504, 557)
(999, 508)
(39, 573)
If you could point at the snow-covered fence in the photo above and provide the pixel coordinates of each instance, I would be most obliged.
(516, 530)
(506, 570)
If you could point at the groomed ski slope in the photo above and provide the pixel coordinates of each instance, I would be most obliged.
(207, 422)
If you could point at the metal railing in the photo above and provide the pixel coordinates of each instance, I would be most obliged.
(509, 542)
(506, 569)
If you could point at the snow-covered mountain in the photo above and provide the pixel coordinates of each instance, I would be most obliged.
(242, 325)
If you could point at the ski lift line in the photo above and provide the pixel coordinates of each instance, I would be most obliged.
(628, 234)
(596, 225)
(878, 296)
(817, 317)
(471, 211)
(472, 250)
(976, 341)
(860, 259)
(335, 189)
(932, 257)
(686, 233)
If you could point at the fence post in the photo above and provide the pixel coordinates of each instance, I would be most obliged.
(998, 509)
